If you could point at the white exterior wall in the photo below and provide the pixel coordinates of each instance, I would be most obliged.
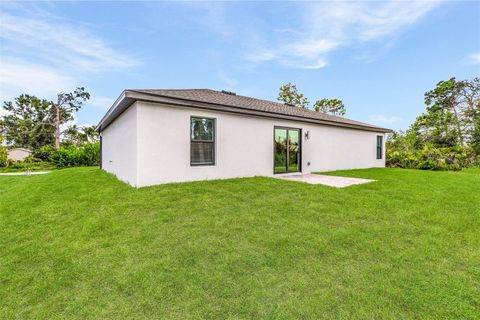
(119, 146)
(244, 146)
(18, 154)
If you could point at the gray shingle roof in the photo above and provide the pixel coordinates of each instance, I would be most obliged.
(222, 98)
(228, 102)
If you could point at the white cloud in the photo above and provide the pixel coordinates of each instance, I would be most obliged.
(390, 18)
(382, 119)
(329, 26)
(100, 102)
(320, 63)
(474, 58)
(313, 48)
(42, 54)
(212, 15)
(3, 112)
(261, 56)
(22, 77)
(229, 81)
(61, 43)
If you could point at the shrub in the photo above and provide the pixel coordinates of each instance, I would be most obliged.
(47, 157)
(71, 156)
(3, 156)
(45, 153)
(32, 165)
(91, 154)
(430, 158)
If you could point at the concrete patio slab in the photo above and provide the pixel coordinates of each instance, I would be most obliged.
(332, 181)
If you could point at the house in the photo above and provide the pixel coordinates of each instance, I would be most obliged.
(18, 154)
(151, 137)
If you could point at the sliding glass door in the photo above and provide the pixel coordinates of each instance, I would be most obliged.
(280, 150)
(287, 150)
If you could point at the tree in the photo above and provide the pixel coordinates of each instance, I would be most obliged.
(476, 135)
(79, 135)
(90, 134)
(451, 114)
(289, 95)
(330, 106)
(67, 104)
(3, 154)
(31, 122)
(437, 127)
(401, 140)
(443, 101)
(447, 135)
(469, 103)
(28, 122)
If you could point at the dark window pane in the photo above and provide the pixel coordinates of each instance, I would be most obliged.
(202, 129)
(293, 150)
(202, 144)
(280, 150)
(202, 152)
(379, 147)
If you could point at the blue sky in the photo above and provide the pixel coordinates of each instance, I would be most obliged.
(378, 57)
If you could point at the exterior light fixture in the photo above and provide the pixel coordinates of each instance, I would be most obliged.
(307, 135)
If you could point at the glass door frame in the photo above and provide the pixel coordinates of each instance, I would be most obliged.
(300, 138)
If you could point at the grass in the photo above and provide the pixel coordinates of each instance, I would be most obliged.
(283, 169)
(77, 243)
(22, 167)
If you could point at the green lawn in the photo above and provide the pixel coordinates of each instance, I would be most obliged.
(77, 243)
(42, 166)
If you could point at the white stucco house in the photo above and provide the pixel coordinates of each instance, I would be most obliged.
(18, 154)
(151, 137)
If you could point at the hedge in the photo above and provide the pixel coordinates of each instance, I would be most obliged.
(3, 156)
(430, 158)
(67, 156)
(71, 156)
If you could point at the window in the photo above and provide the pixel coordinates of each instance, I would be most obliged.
(379, 147)
(202, 141)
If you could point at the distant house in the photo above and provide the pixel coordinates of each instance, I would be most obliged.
(151, 137)
(18, 154)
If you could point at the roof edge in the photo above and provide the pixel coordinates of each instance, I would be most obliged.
(114, 106)
(129, 96)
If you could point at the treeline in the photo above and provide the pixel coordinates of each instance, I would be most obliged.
(42, 126)
(447, 135)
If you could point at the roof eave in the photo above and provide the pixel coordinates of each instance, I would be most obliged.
(128, 97)
(121, 104)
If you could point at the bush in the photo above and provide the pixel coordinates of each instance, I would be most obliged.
(3, 156)
(48, 157)
(45, 153)
(71, 156)
(430, 158)
(32, 165)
